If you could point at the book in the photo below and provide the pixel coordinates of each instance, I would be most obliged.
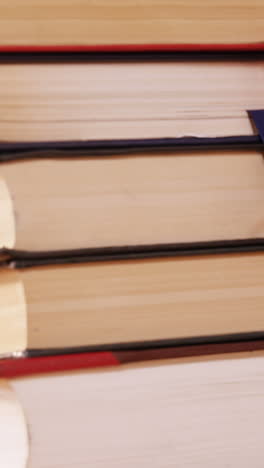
(200, 411)
(131, 201)
(104, 305)
(100, 100)
(111, 23)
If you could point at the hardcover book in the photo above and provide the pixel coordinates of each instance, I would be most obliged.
(100, 100)
(129, 24)
(127, 303)
(202, 412)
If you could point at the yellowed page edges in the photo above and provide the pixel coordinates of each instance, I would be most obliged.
(13, 313)
(13, 430)
(7, 218)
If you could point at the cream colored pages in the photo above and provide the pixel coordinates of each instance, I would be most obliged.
(128, 301)
(7, 217)
(90, 22)
(136, 200)
(128, 100)
(13, 429)
(13, 313)
(196, 414)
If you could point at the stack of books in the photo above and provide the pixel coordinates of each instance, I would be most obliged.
(131, 234)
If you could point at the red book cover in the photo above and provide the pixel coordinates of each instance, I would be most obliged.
(136, 48)
(34, 363)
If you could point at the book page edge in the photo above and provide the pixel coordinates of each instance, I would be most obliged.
(7, 218)
(14, 444)
(13, 313)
